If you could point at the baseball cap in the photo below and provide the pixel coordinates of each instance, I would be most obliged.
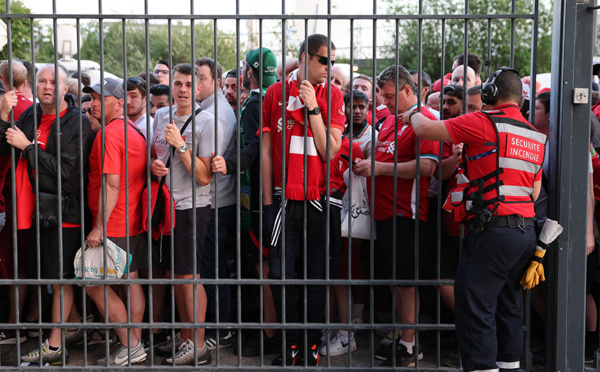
(437, 86)
(455, 91)
(111, 88)
(269, 67)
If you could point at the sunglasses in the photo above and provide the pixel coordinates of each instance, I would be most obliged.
(323, 60)
(88, 111)
(137, 82)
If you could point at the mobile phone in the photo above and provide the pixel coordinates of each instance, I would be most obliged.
(345, 157)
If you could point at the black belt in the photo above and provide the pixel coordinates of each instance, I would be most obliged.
(512, 220)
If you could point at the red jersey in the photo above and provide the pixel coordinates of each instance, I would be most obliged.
(24, 190)
(23, 104)
(114, 163)
(339, 165)
(478, 133)
(450, 224)
(405, 141)
(379, 114)
(272, 122)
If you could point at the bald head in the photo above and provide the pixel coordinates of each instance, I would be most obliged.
(62, 73)
(19, 73)
(459, 74)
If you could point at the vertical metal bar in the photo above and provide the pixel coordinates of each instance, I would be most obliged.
(571, 68)
(216, 135)
(533, 63)
(260, 198)
(283, 187)
(172, 207)
(148, 195)
(125, 128)
(512, 33)
(194, 186)
(395, 319)
(372, 198)
(59, 178)
(418, 187)
(82, 205)
(304, 201)
(439, 219)
(103, 153)
(350, 121)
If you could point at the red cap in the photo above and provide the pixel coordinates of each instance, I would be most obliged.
(543, 90)
(437, 86)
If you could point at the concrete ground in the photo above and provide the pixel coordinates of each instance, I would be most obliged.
(361, 359)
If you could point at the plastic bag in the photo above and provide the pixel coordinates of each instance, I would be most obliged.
(359, 210)
(117, 262)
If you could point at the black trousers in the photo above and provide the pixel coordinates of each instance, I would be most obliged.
(289, 265)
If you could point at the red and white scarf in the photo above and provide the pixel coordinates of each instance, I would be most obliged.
(315, 167)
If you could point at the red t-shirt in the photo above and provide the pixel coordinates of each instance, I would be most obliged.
(24, 191)
(272, 121)
(476, 130)
(339, 165)
(114, 163)
(450, 224)
(379, 114)
(22, 104)
(406, 143)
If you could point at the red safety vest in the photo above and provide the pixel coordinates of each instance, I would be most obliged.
(506, 185)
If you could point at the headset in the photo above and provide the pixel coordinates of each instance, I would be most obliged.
(489, 90)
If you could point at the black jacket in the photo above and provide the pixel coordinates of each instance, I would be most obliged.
(70, 153)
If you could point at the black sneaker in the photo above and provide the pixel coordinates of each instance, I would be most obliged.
(384, 352)
(225, 339)
(291, 357)
(312, 355)
(251, 346)
(403, 357)
(453, 359)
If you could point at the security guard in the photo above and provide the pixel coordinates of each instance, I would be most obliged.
(502, 159)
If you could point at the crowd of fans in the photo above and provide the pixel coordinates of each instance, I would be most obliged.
(333, 134)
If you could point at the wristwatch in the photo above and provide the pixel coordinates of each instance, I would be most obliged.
(315, 111)
(182, 149)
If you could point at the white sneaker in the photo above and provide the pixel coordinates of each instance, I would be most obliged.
(185, 355)
(120, 357)
(339, 345)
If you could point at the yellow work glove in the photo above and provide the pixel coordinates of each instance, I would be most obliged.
(535, 271)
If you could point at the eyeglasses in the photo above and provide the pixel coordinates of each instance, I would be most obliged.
(322, 60)
(137, 82)
(161, 72)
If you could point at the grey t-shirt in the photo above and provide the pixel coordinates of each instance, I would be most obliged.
(183, 184)
(227, 140)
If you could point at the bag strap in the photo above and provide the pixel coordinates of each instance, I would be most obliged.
(187, 122)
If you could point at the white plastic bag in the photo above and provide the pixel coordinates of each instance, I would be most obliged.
(117, 262)
(359, 210)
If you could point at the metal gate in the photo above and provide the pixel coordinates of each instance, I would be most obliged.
(419, 36)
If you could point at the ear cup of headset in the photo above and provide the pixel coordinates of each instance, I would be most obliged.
(489, 92)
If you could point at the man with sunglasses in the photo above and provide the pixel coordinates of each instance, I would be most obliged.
(136, 105)
(306, 108)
